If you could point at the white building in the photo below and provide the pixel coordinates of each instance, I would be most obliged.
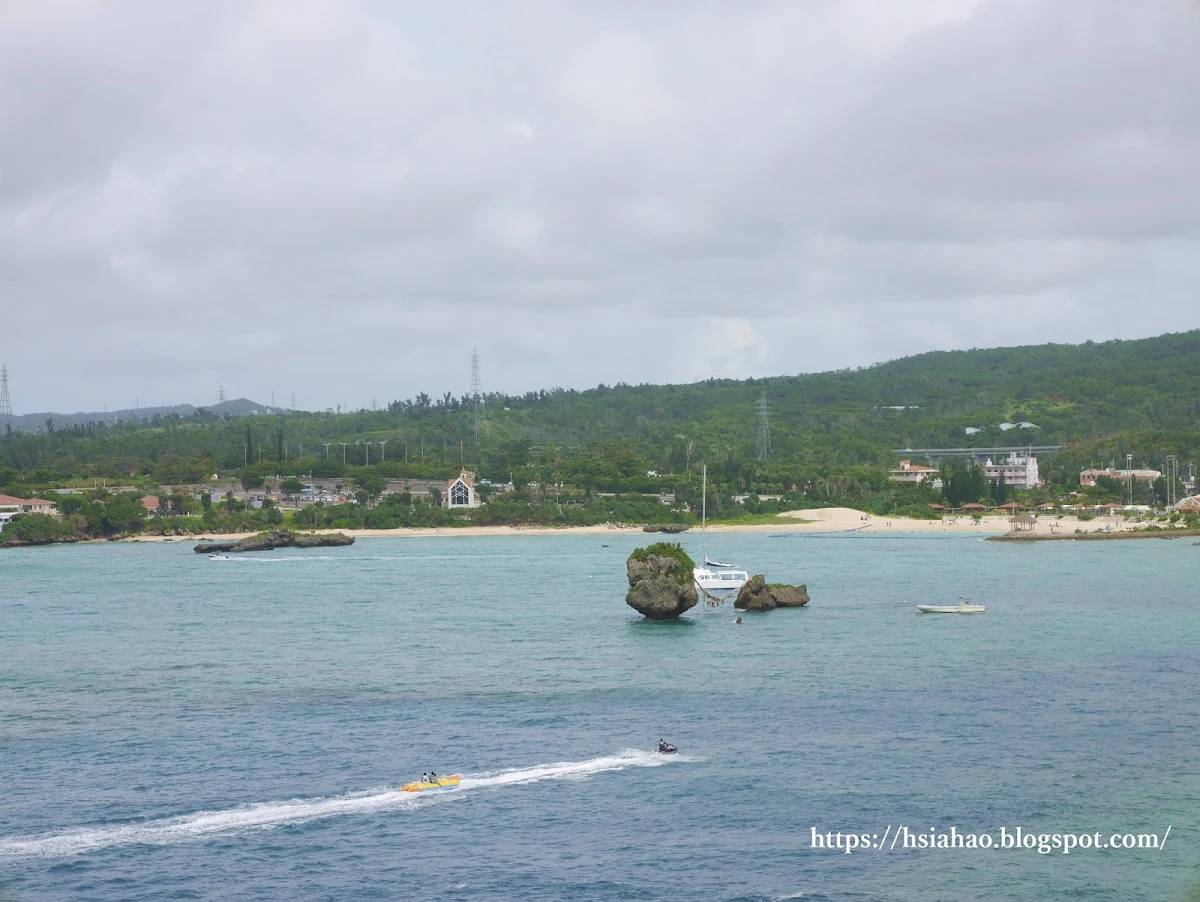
(910, 472)
(9, 504)
(11, 507)
(1088, 477)
(1020, 471)
(460, 492)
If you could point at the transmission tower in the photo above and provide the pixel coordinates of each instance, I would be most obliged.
(221, 396)
(476, 390)
(5, 401)
(762, 448)
(293, 402)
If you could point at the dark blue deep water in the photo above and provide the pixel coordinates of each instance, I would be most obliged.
(173, 727)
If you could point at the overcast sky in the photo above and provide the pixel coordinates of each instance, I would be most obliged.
(340, 199)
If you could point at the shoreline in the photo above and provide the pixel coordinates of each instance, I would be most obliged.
(829, 522)
(845, 522)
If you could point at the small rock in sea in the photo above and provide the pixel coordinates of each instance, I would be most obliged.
(757, 594)
(276, 538)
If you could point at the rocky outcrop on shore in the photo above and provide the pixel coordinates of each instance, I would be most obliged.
(759, 595)
(665, 527)
(276, 538)
(660, 582)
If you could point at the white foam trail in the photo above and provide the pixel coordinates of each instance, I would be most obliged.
(269, 815)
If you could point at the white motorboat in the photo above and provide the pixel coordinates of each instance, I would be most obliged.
(719, 582)
(963, 607)
(715, 580)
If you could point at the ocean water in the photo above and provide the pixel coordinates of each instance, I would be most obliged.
(173, 727)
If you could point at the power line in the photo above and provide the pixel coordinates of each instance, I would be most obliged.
(5, 401)
(476, 390)
(762, 448)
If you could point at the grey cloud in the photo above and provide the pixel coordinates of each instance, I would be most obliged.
(342, 199)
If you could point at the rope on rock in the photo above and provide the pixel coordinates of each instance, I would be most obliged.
(714, 601)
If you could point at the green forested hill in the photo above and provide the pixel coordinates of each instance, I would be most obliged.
(833, 434)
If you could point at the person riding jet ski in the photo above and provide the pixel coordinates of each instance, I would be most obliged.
(665, 748)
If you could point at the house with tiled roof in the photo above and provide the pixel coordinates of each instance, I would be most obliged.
(13, 507)
(9, 504)
(910, 472)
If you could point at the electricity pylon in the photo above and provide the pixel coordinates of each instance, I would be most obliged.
(476, 390)
(762, 448)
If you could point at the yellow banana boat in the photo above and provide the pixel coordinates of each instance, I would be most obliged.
(449, 782)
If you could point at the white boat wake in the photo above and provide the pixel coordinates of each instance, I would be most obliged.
(269, 815)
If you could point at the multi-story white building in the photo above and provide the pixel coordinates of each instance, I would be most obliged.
(1020, 471)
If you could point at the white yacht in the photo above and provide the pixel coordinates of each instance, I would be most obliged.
(719, 582)
(715, 580)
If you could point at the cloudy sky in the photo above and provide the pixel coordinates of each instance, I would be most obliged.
(340, 198)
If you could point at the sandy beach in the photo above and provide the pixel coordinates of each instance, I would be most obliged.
(831, 520)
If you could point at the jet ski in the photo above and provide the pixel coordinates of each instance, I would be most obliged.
(441, 784)
(665, 748)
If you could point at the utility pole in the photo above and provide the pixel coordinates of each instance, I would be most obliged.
(343, 444)
(1129, 476)
(5, 401)
(762, 449)
(476, 388)
(1170, 458)
(327, 444)
(383, 451)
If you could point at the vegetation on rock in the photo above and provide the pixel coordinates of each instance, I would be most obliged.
(683, 573)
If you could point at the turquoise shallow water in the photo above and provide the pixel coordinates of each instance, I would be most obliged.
(175, 727)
